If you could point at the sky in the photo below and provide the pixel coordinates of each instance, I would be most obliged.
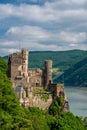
(41, 25)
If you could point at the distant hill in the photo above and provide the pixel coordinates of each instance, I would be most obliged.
(61, 59)
(76, 75)
(63, 62)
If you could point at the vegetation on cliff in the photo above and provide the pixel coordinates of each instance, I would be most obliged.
(56, 108)
(12, 115)
(3, 66)
(15, 117)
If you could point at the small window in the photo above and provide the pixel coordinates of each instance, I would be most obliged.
(19, 73)
(37, 84)
(22, 67)
(49, 81)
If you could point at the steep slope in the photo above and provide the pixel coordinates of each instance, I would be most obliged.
(12, 115)
(77, 74)
(3, 66)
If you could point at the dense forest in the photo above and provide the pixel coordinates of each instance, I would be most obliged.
(15, 117)
(75, 75)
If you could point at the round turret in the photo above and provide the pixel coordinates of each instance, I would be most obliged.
(48, 72)
(25, 62)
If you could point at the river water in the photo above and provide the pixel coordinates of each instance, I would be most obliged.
(77, 97)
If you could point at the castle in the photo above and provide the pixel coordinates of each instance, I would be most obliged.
(34, 87)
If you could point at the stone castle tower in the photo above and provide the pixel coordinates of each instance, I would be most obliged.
(18, 64)
(48, 72)
(25, 62)
(30, 83)
(18, 70)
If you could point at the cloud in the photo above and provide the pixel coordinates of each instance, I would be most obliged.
(5, 11)
(46, 13)
(73, 37)
(38, 34)
(26, 12)
(37, 38)
(54, 25)
(29, 33)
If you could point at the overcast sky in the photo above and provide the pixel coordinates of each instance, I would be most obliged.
(42, 25)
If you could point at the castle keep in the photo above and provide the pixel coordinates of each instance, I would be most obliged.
(34, 87)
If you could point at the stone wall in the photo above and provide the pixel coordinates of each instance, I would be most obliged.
(56, 89)
(35, 77)
(38, 101)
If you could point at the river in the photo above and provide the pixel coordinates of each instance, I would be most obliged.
(77, 97)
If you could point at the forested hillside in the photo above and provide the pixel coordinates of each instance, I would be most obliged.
(61, 59)
(12, 116)
(15, 117)
(77, 74)
(3, 66)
